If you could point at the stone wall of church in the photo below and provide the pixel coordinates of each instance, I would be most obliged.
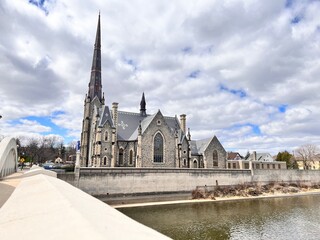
(126, 160)
(196, 161)
(158, 124)
(184, 155)
(106, 146)
(208, 155)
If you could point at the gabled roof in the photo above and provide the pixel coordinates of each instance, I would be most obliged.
(260, 156)
(234, 155)
(105, 116)
(198, 147)
(128, 124)
(144, 124)
(181, 136)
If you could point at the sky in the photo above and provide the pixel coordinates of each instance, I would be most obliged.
(246, 71)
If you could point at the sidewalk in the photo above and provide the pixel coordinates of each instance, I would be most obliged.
(9, 184)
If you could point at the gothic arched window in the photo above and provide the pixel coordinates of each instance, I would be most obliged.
(120, 157)
(215, 158)
(105, 161)
(131, 157)
(158, 148)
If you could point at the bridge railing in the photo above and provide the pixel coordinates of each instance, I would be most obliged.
(8, 156)
(46, 207)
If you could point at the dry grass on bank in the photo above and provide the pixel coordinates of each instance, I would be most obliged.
(243, 190)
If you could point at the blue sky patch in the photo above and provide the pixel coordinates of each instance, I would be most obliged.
(282, 108)
(255, 129)
(239, 93)
(131, 62)
(289, 3)
(40, 5)
(46, 121)
(296, 20)
(194, 74)
(187, 49)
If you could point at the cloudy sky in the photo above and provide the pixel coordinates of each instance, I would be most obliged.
(246, 71)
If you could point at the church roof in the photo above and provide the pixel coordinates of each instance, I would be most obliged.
(128, 124)
(199, 146)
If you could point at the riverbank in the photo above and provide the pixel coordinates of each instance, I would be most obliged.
(276, 194)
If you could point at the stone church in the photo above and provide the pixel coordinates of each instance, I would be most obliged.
(114, 138)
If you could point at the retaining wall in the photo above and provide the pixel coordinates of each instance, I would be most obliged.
(135, 181)
(297, 176)
(145, 181)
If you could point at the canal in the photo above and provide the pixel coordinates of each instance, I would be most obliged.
(272, 218)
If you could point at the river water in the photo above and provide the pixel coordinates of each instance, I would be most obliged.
(272, 218)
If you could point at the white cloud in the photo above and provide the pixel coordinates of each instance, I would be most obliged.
(267, 51)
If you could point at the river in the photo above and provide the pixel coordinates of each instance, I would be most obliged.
(272, 218)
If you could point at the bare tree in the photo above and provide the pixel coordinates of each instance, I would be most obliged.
(308, 154)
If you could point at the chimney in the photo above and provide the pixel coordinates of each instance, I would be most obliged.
(183, 122)
(254, 156)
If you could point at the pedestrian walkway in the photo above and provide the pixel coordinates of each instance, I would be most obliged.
(9, 184)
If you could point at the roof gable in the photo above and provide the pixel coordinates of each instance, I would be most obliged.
(105, 117)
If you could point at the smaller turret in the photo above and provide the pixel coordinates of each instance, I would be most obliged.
(143, 110)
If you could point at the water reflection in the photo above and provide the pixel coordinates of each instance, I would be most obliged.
(277, 218)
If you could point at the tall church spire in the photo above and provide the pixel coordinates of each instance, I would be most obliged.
(143, 110)
(95, 86)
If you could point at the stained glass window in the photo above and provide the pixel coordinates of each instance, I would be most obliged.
(158, 148)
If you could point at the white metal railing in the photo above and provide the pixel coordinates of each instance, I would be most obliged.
(8, 156)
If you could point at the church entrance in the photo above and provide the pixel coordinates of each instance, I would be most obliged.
(195, 164)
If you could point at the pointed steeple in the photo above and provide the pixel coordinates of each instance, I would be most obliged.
(143, 110)
(95, 86)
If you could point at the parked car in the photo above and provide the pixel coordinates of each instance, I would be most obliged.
(48, 165)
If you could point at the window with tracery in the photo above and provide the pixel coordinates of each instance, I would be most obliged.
(215, 158)
(120, 156)
(158, 148)
(131, 157)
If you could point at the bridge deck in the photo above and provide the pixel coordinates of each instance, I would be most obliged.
(8, 185)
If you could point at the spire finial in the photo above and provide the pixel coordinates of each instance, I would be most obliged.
(143, 110)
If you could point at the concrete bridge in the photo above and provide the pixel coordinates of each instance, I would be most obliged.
(44, 207)
(8, 157)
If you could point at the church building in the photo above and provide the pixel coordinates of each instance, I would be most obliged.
(114, 138)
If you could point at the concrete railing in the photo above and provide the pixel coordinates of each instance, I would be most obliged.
(44, 207)
(8, 156)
